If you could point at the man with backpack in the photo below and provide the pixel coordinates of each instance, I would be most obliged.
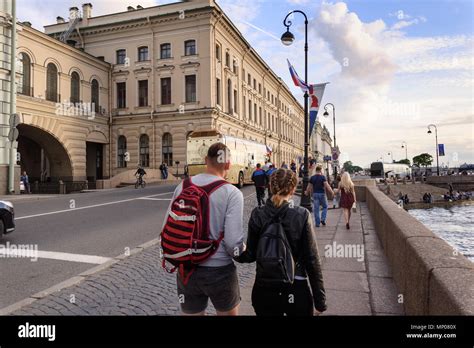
(259, 177)
(202, 233)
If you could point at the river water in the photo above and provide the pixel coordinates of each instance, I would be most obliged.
(455, 225)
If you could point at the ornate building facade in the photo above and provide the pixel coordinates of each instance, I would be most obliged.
(99, 96)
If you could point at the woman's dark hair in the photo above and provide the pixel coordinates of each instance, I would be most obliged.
(282, 183)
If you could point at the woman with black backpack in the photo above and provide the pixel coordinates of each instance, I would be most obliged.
(282, 240)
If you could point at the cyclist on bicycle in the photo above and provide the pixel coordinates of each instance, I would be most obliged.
(140, 172)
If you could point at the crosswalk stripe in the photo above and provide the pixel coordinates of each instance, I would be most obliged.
(53, 255)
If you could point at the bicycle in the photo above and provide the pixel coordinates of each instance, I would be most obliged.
(140, 182)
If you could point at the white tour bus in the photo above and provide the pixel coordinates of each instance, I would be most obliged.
(389, 170)
(244, 155)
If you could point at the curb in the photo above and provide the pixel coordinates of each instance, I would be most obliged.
(76, 279)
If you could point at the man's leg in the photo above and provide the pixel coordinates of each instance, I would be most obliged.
(324, 203)
(221, 284)
(316, 209)
(192, 300)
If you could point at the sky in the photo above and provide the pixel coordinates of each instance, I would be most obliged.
(394, 66)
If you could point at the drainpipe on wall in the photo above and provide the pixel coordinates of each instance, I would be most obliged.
(11, 163)
(153, 104)
(110, 90)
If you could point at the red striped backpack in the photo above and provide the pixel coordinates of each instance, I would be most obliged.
(185, 238)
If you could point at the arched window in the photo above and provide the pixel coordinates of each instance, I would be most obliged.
(144, 151)
(95, 95)
(229, 96)
(75, 87)
(25, 87)
(167, 149)
(52, 83)
(121, 150)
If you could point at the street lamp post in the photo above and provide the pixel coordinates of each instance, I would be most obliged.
(287, 39)
(326, 114)
(391, 155)
(405, 146)
(436, 138)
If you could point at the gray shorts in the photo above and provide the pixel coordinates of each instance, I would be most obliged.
(220, 284)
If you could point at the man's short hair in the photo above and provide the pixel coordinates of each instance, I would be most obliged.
(218, 154)
(258, 165)
(319, 168)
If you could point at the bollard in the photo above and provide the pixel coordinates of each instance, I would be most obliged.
(62, 187)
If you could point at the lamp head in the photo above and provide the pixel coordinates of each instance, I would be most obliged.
(429, 131)
(287, 38)
(326, 114)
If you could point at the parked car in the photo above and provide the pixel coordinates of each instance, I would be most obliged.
(7, 218)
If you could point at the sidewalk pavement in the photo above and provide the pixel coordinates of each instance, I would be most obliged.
(138, 285)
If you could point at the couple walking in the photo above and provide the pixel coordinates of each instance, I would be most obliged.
(207, 270)
(319, 187)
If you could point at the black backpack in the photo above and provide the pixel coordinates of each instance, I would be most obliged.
(275, 263)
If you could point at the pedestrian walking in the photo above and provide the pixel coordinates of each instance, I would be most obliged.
(164, 171)
(192, 242)
(269, 174)
(293, 167)
(298, 288)
(259, 177)
(317, 187)
(284, 165)
(26, 182)
(348, 196)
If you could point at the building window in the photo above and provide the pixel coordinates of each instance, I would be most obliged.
(250, 110)
(235, 101)
(142, 53)
(227, 59)
(244, 106)
(166, 91)
(190, 81)
(255, 115)
(234, 66)
(165, 51)
(249, 79)
(167, 149)
(121, 55)
(25, 87)
(75, 85)
(260, 88)
(143, 93)
(144, 151)
(254, 84)
(190, 47)
(121, 150)
(229, 96)
(260, 115)
(52, 83)
(218, 92)
(95, 95)
(218, 52)
(121, 95)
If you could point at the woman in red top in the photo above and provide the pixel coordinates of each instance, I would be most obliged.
(348, 197)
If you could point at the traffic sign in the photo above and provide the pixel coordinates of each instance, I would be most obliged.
(13, 134)
(14, 120)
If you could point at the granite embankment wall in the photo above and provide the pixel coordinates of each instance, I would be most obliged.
(432, 277)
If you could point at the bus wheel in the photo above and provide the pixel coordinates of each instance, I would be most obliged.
(241, 180)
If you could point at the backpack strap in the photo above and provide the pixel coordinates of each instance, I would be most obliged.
(210, 188)
(186, 183)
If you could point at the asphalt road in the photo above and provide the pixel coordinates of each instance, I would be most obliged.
(79, 231)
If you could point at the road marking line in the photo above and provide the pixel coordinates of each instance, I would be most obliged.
(54, 255)
(154, 199)
(89, 206)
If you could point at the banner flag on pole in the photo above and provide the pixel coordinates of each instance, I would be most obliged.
(441, 149)
(315, 92)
